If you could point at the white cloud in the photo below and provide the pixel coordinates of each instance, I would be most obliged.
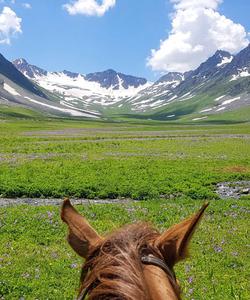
(186, 4)
(27, 5)
(89, 7)
(198, 30)
(10, 25)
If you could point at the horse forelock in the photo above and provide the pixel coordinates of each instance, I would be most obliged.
(115, 269)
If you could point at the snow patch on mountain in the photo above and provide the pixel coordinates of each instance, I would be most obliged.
(201, 118)
(241, 73)
(101, 88)
(110, 90)
(221, 108)
(72, 112)
(225, 60)
(219, 98)
(206, 110)
(10, 90)
(230, 101)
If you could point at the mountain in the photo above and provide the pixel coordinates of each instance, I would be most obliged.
(107, 79)
(8, 70)
(209, 69)
(240, 65)
(218, 87)
(93, 91)
(18, 90)
(206, 72)
(171, 77)
(174, 85)
(112, 79)
(28, 70)
(156, 95)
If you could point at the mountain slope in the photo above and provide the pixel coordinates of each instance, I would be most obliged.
(8, 70)
(219, 85)
(112, 79)
(18, 90)
(240, 65)
(29, 71)
(93, 91)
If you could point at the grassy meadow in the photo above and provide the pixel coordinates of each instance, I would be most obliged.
(105, 160)
(171, 168)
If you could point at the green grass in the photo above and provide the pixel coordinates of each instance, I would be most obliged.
(143, 160)
(37, 263)
(240, 115)
(15, 112)
(107, 160)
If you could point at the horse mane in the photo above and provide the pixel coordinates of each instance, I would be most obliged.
(114, 270)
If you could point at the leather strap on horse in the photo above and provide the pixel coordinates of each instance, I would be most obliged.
(146, 260)
(152, 260)
(83, 294)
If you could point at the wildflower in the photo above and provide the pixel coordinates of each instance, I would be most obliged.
(54, 255)
(191, 291)
(73, 266)
(49, 214)
(187, 268)
(218, 249)
(25, 275)
(190, 279)
(37, 273)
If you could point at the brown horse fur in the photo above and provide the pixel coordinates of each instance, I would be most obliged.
(113, 269)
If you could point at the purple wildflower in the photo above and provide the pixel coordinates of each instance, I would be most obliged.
(187, 268)
(218, 249)
(49, 214)
(190, 279)
(73, 266)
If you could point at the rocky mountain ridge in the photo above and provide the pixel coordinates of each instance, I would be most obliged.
(218, 85)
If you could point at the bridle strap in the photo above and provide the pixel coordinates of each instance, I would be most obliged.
(83, 294)
(155, 261)
(85, 291)
(146, 260)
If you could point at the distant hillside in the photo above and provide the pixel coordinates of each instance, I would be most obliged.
(219, 86)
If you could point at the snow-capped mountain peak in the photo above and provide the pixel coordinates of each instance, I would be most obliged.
(100, 88)
(225, 60)
(28, 70)
(111, 78)
(71, 74)
(20, 61)
(220, 73)
(171, 77)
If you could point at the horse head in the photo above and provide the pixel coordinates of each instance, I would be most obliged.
(135, 262)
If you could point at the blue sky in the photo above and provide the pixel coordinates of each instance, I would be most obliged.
(122, 38)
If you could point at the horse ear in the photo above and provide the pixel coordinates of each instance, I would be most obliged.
(173, 243)
(81, 235)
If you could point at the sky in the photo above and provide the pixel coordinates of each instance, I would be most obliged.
(145, 38)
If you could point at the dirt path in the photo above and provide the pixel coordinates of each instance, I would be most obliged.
(4, 202)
